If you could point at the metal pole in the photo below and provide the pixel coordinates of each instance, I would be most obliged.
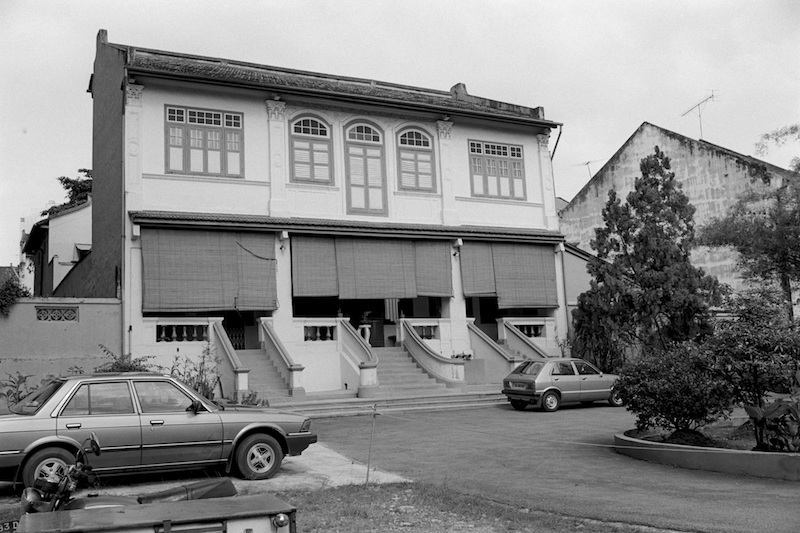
(371, 435)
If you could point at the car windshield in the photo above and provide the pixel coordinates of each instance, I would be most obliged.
(31, 403)
(529, 368)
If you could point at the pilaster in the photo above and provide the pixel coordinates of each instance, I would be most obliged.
(278, 176)
(449, 211)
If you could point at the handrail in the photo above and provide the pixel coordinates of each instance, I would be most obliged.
(227, 347)
(490, 343)
(285, 358)
(453, 375)
(367, 355)
(517, 334)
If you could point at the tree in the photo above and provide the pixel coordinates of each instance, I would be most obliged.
(645, 291)
(764, 227)
(78, 191)
(10, 292)
(780, 137)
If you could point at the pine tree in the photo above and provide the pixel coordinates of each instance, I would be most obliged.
(644, 291)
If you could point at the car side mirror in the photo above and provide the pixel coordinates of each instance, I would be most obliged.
(195, 407)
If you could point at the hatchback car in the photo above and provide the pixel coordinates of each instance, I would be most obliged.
(547, 383)
(145, 422)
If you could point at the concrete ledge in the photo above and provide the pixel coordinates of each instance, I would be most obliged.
(774, 465)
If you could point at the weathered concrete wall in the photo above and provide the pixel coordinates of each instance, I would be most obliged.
(711, 176)
(44, 336)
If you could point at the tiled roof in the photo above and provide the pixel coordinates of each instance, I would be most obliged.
(343, 227)
(281, 80)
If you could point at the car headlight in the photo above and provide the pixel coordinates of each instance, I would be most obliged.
(306, 427)
(280, 520)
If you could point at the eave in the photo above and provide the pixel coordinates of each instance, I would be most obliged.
(310, 226)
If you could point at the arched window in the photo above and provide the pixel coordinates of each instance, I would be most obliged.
(415, 160)
(366, 179)
(311, 151)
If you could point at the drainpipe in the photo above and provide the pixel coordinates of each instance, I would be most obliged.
(555, 147)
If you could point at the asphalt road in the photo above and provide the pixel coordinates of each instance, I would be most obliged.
(561, 462)
(558, 462)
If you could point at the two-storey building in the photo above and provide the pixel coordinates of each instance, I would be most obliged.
(295, 223)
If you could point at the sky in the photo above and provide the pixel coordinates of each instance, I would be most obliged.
(599, 67)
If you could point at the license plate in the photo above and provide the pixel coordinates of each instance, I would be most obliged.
(9, 526)
(518, 385)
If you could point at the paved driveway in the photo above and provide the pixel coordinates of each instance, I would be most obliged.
(562, 462)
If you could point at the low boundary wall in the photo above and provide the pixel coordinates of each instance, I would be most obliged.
(50, 336)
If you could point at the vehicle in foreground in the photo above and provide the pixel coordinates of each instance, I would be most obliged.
(548, 383)
(146, 422)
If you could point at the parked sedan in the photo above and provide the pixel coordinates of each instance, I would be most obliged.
(547, 383)
(146, 422)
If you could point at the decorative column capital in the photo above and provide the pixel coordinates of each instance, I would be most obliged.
(133, 93)
(544, 141)
(445, 126)
(276, 109)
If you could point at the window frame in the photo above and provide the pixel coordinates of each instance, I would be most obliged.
(365, 145)
(311, 138)
(416, 151)
(501, 156)
(230, 122)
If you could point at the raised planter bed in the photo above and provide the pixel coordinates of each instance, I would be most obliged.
(774, 465)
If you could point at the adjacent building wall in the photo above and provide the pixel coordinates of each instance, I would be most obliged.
(98, 275)
(711, 176)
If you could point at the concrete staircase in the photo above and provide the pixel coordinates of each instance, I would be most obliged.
(403, 386)
(399, 375)
(264, 378)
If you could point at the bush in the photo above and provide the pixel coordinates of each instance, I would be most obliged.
(676, 389)
(121, 363)
(201, 375)
(757, 349)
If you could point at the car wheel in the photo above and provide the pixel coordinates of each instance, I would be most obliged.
(550, 401)
(519, 405)
(615, 400)
(258, 457)
(45, 462)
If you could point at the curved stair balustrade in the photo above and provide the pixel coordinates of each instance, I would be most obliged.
(497, 362)
(238, 374)
(442, 369)
(520, 343)
(358, 354)
(277, 353)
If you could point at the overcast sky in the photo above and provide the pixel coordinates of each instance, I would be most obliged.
(599, 67)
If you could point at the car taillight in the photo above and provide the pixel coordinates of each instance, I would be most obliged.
(306, 427)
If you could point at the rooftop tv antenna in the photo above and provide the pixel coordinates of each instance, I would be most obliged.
(698, 109)
(587, 163)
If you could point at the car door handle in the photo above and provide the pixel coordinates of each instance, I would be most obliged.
(73, 426)
(156, 422)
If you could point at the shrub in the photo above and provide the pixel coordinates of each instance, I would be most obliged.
(200, 375)
(675, 389)
(122, 363)
(15, 388)
(756, 350)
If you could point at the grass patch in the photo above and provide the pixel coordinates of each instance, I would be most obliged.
(424, 507)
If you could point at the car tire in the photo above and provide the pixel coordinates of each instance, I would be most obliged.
(43, 462)
(550, 401)
(614, 400)
(258, 457)
(519, 405)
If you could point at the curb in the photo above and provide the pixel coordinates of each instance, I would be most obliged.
(773, 465)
